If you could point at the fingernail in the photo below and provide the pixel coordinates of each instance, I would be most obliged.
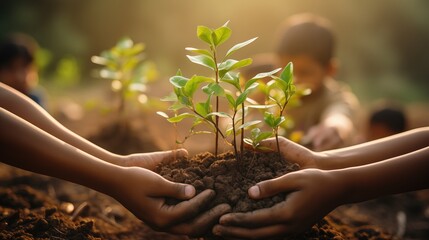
(216, 231)
(189, 191)
(254, 191)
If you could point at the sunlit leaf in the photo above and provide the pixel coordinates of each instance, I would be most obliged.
(203, 60)
(200, 51)
(239, 45)
(178, 81)
(249, 124)
(180, 117)
(162, 114)
(204, 33)
(221, 35)
(192, 84)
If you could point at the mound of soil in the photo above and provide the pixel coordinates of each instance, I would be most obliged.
(231, 178)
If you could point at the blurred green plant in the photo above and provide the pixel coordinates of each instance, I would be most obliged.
(125, 66)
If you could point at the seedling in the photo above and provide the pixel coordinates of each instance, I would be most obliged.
(124, 65)
(214, 88)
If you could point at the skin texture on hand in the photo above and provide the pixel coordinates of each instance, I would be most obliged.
(313, 193)
(140, 190)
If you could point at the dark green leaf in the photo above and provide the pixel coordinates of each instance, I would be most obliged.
(214, 89)
(193, 84)
(178, 81)
(241, 98)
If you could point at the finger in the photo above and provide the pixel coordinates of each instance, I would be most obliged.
(257, 218)
(201, 224)
(268, 188)
(269, 143)
(166, 188)
(251, 233)
(188, 209)
(168, 156)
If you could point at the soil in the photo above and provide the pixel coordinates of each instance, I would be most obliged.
(230, 179)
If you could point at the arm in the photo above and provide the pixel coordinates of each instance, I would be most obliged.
(17, 103)
(140, 190)
(357, 155)
(331, 188)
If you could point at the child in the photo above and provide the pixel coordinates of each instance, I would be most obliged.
(32, 140)
(325, 116)
(385, 121)
(17, 65)
(391, 165)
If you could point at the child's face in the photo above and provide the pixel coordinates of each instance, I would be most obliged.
(307, 71)
(16, 75)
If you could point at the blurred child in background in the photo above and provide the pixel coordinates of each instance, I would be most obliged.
(326, 115)
(386, 120)
(17, 65)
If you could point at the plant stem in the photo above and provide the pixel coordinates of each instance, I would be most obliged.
(242, 131)
(217, 106)
(237, 157)
(277, 142)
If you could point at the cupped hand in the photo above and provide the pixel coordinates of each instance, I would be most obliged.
(292, 152)
(311, 194)
(144, 193)
(152, 159)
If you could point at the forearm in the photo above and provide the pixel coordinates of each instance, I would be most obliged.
(374, 151)
(24, 108)
(28, 147)
(405, 173)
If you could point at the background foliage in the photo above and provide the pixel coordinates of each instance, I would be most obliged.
(382, 44)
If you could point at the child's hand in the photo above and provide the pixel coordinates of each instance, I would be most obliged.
(144, 193)
(312, 194)
(152, 159)
(292, 152)
(323, 137)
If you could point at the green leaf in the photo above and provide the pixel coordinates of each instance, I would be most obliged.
(203, 60)
(124, 43)
(231, 100)
(239, 45)
(269, 119)
(219, 114)
(249, 141)
(266, 74)
(232, 81)
(241, 63)
(262, 106)
(200, 51)
(200, 108)
(287, 73)
(263, 135)
(214, 89)
(249, 124)
(180, 117)
(178, 81)
(279, 121)
(221, 35)
(204, 33)
(193, 83)
(241, 99)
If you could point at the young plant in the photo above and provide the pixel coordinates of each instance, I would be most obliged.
(280, 91)
(124, 65)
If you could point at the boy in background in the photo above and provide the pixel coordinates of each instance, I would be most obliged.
(325, 117)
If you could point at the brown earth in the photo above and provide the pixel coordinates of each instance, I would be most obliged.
(230, 179)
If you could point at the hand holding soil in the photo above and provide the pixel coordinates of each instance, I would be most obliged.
(144, 193)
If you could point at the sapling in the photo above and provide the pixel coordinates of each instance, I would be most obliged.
(124, 65)
(280, 91)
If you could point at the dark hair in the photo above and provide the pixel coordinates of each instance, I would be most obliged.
(391, 117)
(307, 34)
(17, 46)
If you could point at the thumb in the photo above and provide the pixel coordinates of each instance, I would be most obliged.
(272, 187)
(269, 143)
(175, 190)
